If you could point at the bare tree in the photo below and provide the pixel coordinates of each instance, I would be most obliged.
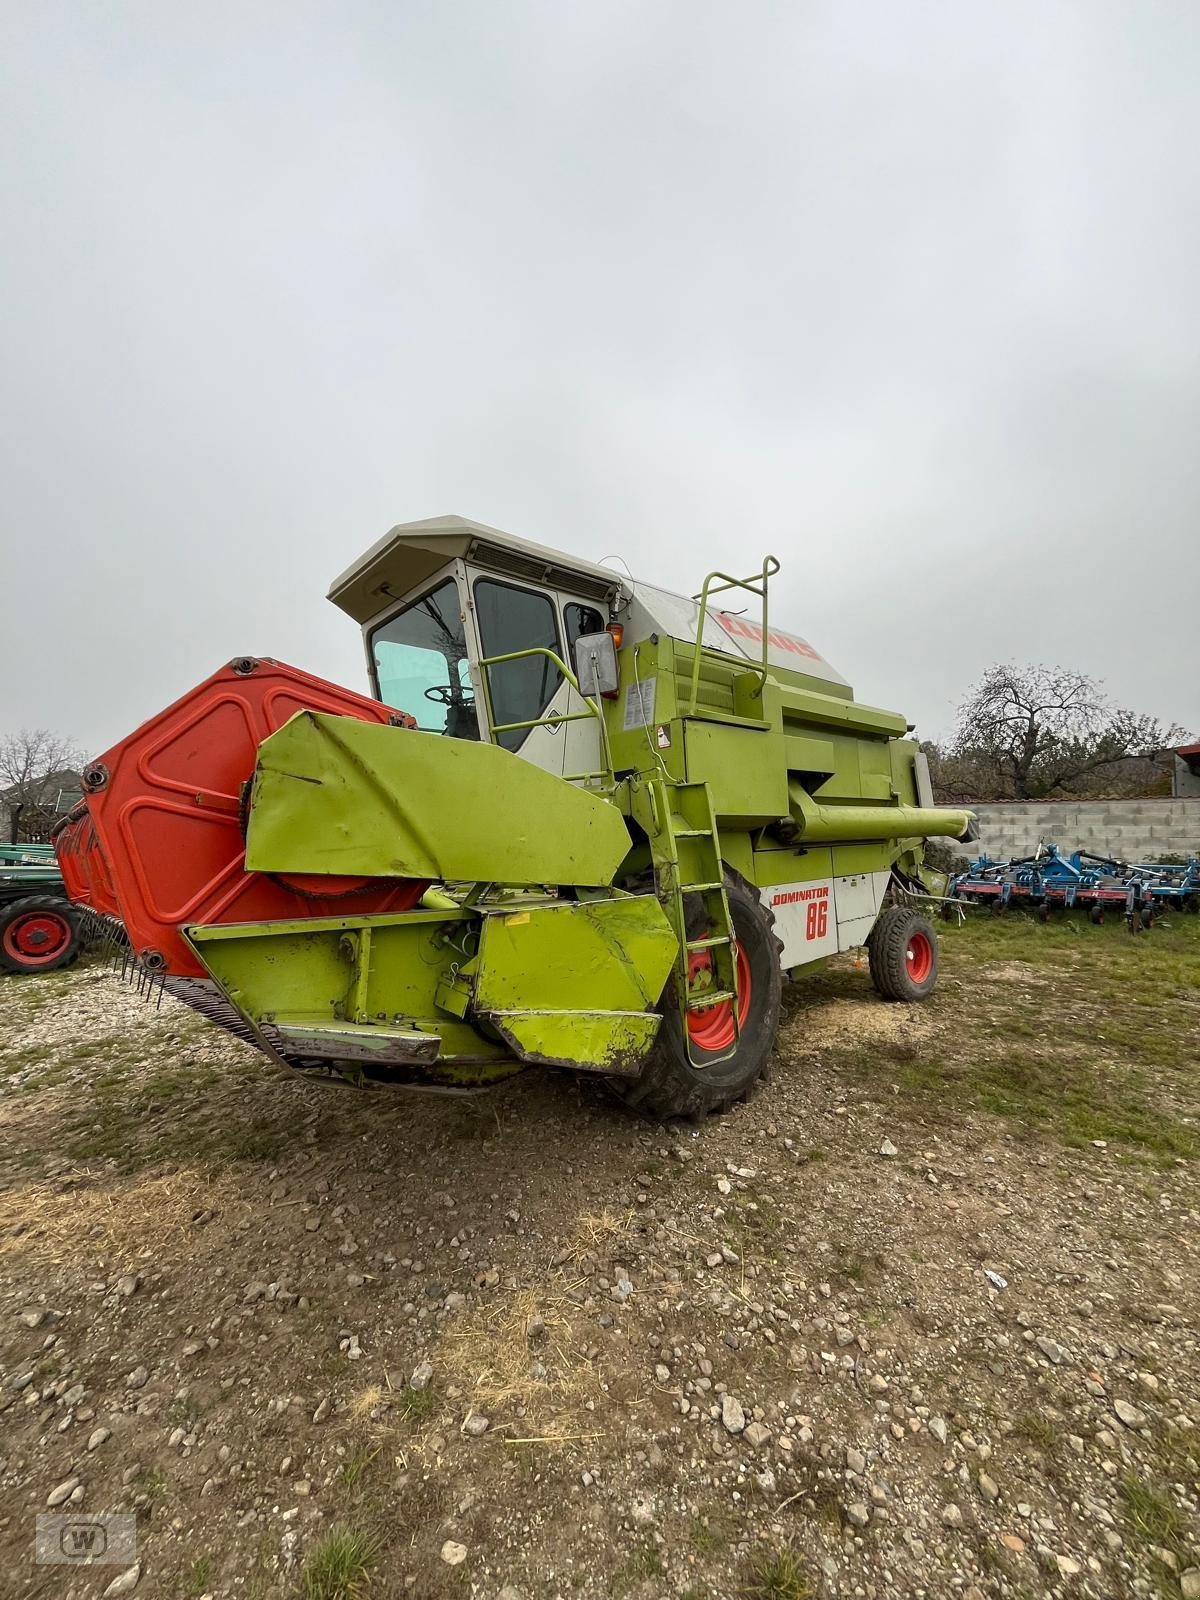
(35, 767)
(1026, 732)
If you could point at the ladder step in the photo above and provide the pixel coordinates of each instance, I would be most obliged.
(707, 944)
(699, 888)
(691, 833)
(712, 997)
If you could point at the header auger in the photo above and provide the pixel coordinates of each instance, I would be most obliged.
(585, 822)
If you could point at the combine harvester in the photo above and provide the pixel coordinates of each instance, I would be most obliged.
(1051, 879)
(585, 822)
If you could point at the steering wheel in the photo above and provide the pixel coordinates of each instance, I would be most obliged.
(446, 694)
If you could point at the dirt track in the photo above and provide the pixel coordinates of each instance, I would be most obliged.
(751, 1357)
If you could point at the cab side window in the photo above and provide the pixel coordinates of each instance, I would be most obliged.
(511, 619)
(578, 620)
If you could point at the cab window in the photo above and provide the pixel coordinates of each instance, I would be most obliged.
(517, 619)
(578, 620)
(420, 664)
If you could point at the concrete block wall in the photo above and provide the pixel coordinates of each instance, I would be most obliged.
(1134, 830)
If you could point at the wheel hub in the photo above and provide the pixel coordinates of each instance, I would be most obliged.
(39, 937)
(712, 1027)
(919, 957)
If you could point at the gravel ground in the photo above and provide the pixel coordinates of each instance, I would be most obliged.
(918, 1320)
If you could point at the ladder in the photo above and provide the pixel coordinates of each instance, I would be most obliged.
(687, 861)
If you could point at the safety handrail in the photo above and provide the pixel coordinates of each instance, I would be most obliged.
(756, 584)
(557, 718)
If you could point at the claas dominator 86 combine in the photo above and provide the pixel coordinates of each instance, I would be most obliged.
(583, 821)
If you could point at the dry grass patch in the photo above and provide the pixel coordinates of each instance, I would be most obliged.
(518, 1356)
(600, 1231)
(134, 1219)
(366, 1403)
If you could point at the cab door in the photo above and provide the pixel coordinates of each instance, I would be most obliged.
(509, 616)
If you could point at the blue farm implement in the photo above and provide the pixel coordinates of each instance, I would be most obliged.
(1051, 879)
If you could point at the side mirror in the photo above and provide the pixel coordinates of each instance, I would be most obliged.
(596, 663)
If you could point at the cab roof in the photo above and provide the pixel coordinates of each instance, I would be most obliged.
(411, 552)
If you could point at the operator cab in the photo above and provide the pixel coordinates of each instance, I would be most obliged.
(438, 598)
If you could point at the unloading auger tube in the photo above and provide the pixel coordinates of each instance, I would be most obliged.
(581, 821)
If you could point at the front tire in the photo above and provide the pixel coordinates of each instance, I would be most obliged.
(903, 954)
(39, 933)
(669, 1085)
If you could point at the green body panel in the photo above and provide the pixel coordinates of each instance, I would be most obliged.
(850, 858)
(634, 748)
(615, 1043)
(370, 972)
(778, 863)
(737, 851)
(336, 795)
(454, 995)
(823, 710)
(744, 768)
(617, 953)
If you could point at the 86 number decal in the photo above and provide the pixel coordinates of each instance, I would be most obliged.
(803, 920)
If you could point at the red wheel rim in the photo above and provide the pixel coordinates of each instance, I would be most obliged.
(37, 938)
(711, 1028)
(919, 957)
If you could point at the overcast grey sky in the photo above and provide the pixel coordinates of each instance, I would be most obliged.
(905, 293)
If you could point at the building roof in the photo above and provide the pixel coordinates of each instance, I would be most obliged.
(44, 785)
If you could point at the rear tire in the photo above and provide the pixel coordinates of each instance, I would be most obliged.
(669, 1085)
(903, 954)
(39, 933)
